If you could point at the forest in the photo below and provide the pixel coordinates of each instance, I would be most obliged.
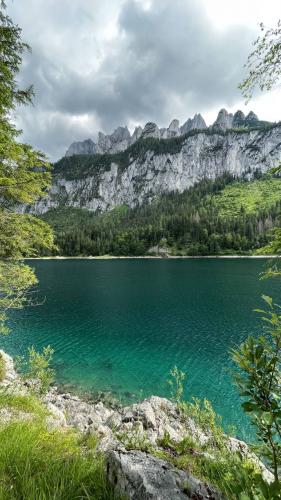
(214, 217)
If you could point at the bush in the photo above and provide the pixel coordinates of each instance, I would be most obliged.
(37, 367)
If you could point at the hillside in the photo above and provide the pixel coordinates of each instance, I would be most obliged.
(154, 166)
(225, 216)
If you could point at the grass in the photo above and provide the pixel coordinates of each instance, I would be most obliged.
(38, 464)
(25, 403)
(2, 368)
(251, 196)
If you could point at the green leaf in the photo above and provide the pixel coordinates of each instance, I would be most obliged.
(268, 300)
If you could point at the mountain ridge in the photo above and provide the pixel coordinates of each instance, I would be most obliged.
(152, 166)
(121, 138)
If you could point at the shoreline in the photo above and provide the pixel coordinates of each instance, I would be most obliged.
(158, 257)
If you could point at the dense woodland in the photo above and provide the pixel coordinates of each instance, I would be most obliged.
(196, 222)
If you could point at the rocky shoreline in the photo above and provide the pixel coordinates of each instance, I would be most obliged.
(131, 440)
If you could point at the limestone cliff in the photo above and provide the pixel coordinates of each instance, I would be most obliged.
(153, 165)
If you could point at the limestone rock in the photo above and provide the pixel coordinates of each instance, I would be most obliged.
(150, 130)
(200, 156)
(11, 377)
(86, 147)
(140, 476)
(251, 119)
(197, 122)
(152, 418)
(136, 134)
(235, 445)
(173, 129)
(224, 120)
(238, 119)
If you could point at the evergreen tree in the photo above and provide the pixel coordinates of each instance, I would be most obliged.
(24, 176)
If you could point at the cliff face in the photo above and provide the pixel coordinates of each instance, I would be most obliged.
(153, 166)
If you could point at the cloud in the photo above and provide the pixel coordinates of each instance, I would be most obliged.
(96, 66)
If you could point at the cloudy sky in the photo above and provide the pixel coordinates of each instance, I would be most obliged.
(99, 64)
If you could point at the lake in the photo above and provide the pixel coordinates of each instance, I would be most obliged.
(122, 325)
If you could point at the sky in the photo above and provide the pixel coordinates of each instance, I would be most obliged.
(98, 64)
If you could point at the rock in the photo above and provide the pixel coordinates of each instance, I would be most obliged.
(238, 119)
(104, 143)
(150, 130)
(152, 173)
(173, 129)
(197, 122)
(163, 133)
(11, 377)
(235, 445)
(154, 417)
(136, 135)
(56, 419)
(251, 120)
(140, 476)
(87, 147)
(118, 141)
(224, 120)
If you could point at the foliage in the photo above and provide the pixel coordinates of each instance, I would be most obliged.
(248, 197)
(204, 415)
(259, 361)
(264, 62)
(2, 368)
(24, 176)
(15, 280)
(37, 463)
(176, 384)
(224, 216)
(37, 367)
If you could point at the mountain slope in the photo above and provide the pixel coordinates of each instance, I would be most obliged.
(225, 216)
(151, 167)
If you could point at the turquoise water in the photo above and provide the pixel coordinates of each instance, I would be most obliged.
(121, 325)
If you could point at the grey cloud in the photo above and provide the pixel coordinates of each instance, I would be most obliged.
(168, 61)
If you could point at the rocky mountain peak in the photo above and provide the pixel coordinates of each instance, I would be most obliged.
(238, 119)
(197, 122)
(85, 147)
(120, 134)
(224, 120)
(173, 129)
(137, 134)
(251, 119)
(121, 138)
(151, 130)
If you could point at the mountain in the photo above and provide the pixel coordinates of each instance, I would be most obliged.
(221, 216)
(122, 139)
(132, 170)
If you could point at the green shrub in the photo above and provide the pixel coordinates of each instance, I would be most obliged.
(37, 367)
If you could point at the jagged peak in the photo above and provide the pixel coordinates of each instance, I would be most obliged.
(197, 122)
(81, 147)
(224, 120)
(150, 130)
(121, 138)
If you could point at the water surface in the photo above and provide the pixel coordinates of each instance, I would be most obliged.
(121, 325)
